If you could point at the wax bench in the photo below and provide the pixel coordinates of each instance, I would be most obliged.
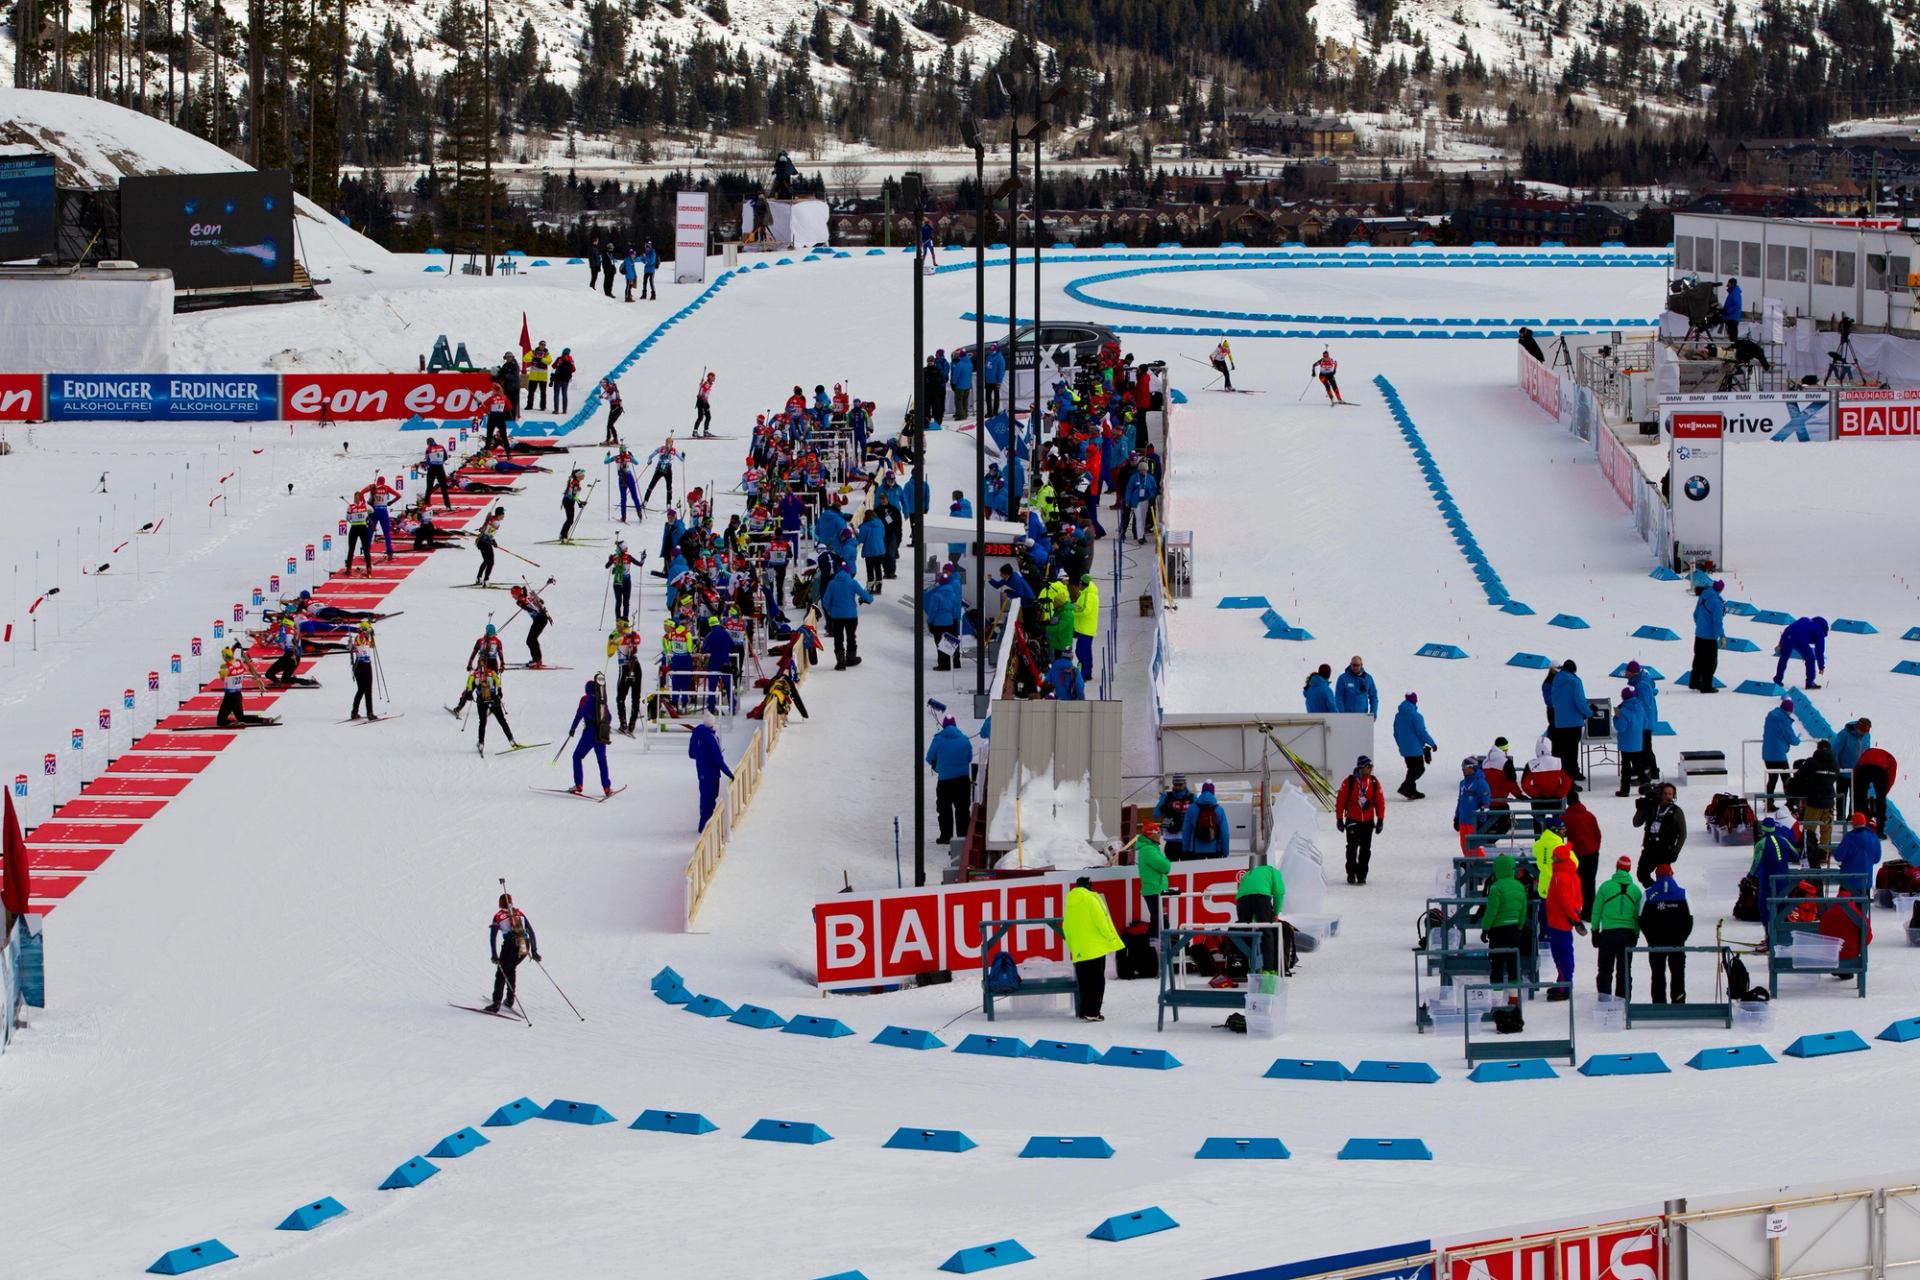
(993, 935)
(1247, 939)
(1504, 1047)
(1720, 1011)
(1795, 946)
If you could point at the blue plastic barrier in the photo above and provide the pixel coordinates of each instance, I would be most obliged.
(309, 1216)
(456, 1144)
(1141, 1059)
(1572, 622)
(575, 1112)
(1650, 632)
(1374, 1071)
(1126, 1226)
(708, 1007)
(1243, 1149)
(985, 1257)
(515, 1112)
(1516, 1069)
(752, 1015)
(1624, 1064)
(1827, 1044)
(1532, 661)
(794, 1131)
(909, 1038)
(825, 1028)
(905, 1139)
(691, 1123)
(192, 1257)
(411, 1174)
(992, 1046)
(1305, 1069)
(1901, 1032)
(1064, 1051)
(1739, 1055)
(1385, 1149)
(1063, 1148)
(1854, 626)
(1257, 602)
(1440, 651)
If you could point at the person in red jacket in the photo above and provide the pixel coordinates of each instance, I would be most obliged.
(1564, 919)
(1846, 923)
(1875, 772)
(1544, 778)
(1583, 837)
(1360, 810)
(494, 408)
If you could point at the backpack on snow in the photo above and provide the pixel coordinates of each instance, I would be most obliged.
(1137, 958)
(1003, 976)
(1739, 985)
(1896, 875)
(1747, 905)
(1206, 826)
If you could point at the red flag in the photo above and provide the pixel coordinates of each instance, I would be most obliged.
(15, 890)
(526, 342)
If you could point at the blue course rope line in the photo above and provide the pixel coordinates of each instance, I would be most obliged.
(1188, 332)
(1497, 594)
(1345, 257)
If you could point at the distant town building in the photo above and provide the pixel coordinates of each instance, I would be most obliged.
(1285, 133)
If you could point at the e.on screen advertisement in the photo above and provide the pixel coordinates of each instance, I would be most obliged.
(380, 397)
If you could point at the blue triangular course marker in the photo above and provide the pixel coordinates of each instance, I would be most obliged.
(1761, 688)
(825, 1028)
(708, 1007)
(851, 1275)
(1572, 622)
(906, 1139)
(520, 1109)
(1911, 633)
(909, 1038)
(1535, 661)
(1063, 1051)
(1517, 609)
(1740, 644)
(1272, 621)
(691, 1123)
(1058, 1148)
(1650, 632)
(985, 1257)
(411, 1174)
(1243, 1149)
(1517, 1069)
(1741, 609)
(752, 1015)
(1306, 1069)
(1901, 1032)
(1385, 1149)
(1906, 667)
(1242, 602)
(1854, 626)
(992, 1046)
(1439, 651)
(457, 1144)
(1125, 1226)
(192, 1257)
(1823, 1045)
(1662, 729)
(1146, 1059)
(1624, 1064)
(1663, 574)
(576, 1112)
(1374, 1071)
(673, 995)
(1772, 617)
(1289, 633)
(1739, 1055)
(309, 1216)
(788, 1131)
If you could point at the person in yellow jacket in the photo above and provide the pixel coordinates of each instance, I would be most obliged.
(1086, 621)
(1091, 938)
(536, 367)
(1551, 837)
(1044, 501)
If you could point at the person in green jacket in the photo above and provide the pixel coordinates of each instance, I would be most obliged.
(1258, 901)
(1056, 607)
(1154, 865)
(1503, 921)
(1616, 926)
(1091, 938)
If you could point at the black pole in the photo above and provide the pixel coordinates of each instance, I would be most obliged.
(980, 428)
(1039, 223)
(1013, 283)
(919, 580)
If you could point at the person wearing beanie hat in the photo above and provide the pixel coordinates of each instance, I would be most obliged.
(1777, 737)
(1470, 804)
(596, 718)
(1570, 711)
(1631, 733)
(435, 459)
(1562, 919)
(1318, 691)
(1665, 832)
(1858, 854)
(709, 762)
(1415, 745)
(1205, 832)
(1616, 927)
(1854, 737)
(1360, 810)
(510, 939)
(950, 756)
(1171, 811)
(1666, 921)
(1153, 867)
(1805, 638)
(1709, 633)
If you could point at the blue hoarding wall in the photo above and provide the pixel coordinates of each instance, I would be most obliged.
(162, 397)
(26, 206)
(1411, 1261)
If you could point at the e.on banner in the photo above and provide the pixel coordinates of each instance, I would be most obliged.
(378, 397)
(23, 397)
(1877, 415)
(1631, 1252)
(865, 939)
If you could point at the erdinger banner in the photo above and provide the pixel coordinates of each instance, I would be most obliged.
(161, 397)
(380, 397)
(865, 939)
(1878, 415)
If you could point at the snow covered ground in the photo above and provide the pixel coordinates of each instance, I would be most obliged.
(248, 1002)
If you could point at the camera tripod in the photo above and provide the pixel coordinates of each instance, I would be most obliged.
(1843, 363)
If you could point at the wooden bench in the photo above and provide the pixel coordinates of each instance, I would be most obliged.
(992, 935)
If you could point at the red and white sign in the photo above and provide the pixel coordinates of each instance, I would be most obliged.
(1541, 384)
(23, 397)
(1631, 1252)
(863, 939)
(1697, 426)
(1878, 415)
(380, 397)
(1616, 465)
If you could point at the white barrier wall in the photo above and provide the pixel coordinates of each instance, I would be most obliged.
(116, 320)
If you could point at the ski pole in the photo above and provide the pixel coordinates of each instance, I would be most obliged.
(605, 592)
(517, 556)
(563, 995)
(899, 878)
(561, 748)
(382, 673)
(1304, 390)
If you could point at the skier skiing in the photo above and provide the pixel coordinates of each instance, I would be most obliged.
(662, 459)
(571, 500)
(435, 459)
(702, 409)
(592, 713)
(709, 761)
(359, 534)
(360, 654)
(538, 618)
(610, 393)
(1325, 369)
(623, 646)
(485, 688)
(483, 543)
(622, 580)
(623, 468)
(509, 940)
(1222, 361)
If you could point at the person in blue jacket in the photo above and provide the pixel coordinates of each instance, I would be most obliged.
(1354, 691)
(950, 756)
(1777, 738)
(1171, 810)
(1413, 742)
(960, 509)
(840, 602)
(1631, 733)
(1139, 495)
(1854, 737)
(943, 605)
(1736, 303)
(1319, 691)
(709, 762)
(873, 548)
(649, 263)
(1068, 684)
(1472, 801)
(1857, 854)
(1709, 632)
(960, 374)
(993, 375)
(1807, 638)
(1206, 832)
(718, 645)
(827, 526)
(593, 715)
(1647, 689)
(1570, 710)
(1773, 855)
